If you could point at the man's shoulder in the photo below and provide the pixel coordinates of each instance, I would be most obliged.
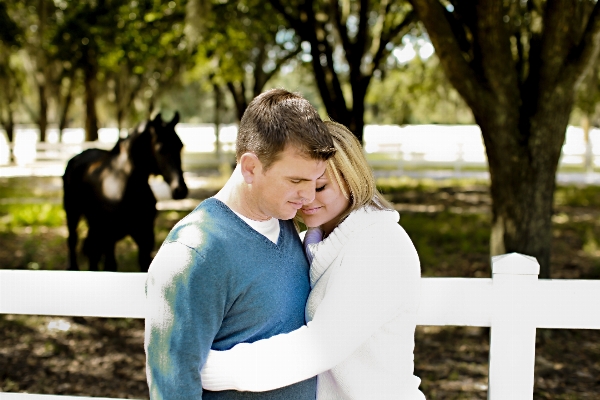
(201, 226)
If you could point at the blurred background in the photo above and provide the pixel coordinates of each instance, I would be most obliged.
(471, 115)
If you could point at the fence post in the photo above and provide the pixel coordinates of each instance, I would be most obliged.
(512, 334)
(460, 158)
(399, 159)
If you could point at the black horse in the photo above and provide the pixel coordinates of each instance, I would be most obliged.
(110, 189)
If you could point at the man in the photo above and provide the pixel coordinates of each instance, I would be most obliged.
(234, 269)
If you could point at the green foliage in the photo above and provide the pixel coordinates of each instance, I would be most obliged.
(416, 93)
(137, 47)
(238, 44)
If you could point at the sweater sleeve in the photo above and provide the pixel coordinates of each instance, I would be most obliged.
(184, 314)
(377, 280)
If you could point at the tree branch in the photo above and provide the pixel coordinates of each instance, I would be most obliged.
(239, 97)
(340, 24)
(294, 22)
(282, 62)
(359, 46)
(557, 42)
(432, 14)
(397, 31)
(588, 49)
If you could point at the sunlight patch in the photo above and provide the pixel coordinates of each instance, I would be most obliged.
(59, 325)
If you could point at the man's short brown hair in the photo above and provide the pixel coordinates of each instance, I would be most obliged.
(277, 118)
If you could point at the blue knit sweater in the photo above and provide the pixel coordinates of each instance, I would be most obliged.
(216, 282)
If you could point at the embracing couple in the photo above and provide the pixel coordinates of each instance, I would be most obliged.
(243, 306)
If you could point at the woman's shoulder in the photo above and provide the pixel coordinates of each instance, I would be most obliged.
(379, 229)
(366, 218)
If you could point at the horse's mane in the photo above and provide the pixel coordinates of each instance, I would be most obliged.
(131, 134)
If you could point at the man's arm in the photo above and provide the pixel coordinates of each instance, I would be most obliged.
(185, 304)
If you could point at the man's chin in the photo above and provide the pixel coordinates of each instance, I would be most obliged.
(286, 215)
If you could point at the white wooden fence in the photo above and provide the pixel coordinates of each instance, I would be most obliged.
(513, 303)
(391, 148)
(388, 156)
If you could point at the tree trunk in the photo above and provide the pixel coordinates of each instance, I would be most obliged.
(357, 119)
(91, 119)
(522, 189)
(217, 122)
(523, 140)
(63, 120)
(238, 93)
(521, 97)
(41, 70)
(43, 116)
(120, 117)
(9, 126)
(365, 42)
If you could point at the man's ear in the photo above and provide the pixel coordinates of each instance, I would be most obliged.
(250, 166)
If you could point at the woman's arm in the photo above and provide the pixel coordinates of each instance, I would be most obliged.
(378, 278)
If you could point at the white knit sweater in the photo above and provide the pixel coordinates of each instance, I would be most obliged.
(361, 314)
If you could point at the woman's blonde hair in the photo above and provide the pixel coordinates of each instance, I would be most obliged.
(349, 167)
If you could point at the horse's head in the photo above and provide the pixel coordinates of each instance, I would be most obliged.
(166, 148)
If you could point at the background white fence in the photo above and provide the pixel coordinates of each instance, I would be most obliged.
(513, 303)
(391, 147)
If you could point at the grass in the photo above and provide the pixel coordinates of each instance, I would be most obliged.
(445, 240)
(577, 196)
(31, 215)
(37, 188)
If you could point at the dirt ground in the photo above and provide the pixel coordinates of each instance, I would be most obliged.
(105, 357)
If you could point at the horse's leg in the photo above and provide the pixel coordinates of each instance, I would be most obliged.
(143, 236)
(110, 261)
(72, 223)
(73, 213)
(92, 248)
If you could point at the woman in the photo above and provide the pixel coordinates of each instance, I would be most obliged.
(361, 312)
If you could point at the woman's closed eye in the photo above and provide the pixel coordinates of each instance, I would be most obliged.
(320, 189)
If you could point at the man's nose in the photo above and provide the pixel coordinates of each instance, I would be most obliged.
(307, 192)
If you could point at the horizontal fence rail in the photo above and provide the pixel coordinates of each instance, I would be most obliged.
(513, 303)
(390, 157)
(73, 293)
(396, 147)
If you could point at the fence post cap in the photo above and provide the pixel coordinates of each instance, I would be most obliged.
(515, 264)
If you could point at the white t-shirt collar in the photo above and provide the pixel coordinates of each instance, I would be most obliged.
(269, 228)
